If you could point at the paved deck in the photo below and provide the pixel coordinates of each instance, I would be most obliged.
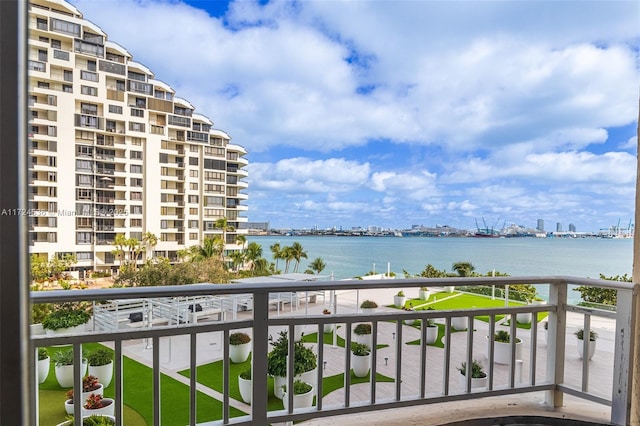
(174, 357)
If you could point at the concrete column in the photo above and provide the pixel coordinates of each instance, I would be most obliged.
(635, 341)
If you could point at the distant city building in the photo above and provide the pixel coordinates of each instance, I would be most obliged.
(558, 227)
(257, 226)
(540, 226)
(114, 151)
(572, 227)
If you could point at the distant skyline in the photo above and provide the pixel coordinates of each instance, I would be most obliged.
(392, 113)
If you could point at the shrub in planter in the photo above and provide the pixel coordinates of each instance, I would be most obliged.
(302, 395)
(360, 359)
(328, 328)
(97, 404)
(368, 304)
(239, 338)
(65, 318)
(362, 328)
(591, 345)
(93, 420)
(502, 351)
(304, 361)
(63, 361)
(362, 334)
(478, 376)
(244, 385)
(101, 365)
(43, 364)
(239, 347)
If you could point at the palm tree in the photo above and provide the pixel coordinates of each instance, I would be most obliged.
(210, 247)
(241, 240)
(316, 266)
(149, 241)
(287, 254)
(237, 259)
(464, 269)
(297, 253)
(253, 253)
(277, 252)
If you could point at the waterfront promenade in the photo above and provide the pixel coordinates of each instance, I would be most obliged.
(174, 357)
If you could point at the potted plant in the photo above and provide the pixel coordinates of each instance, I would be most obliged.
(101, 365)
(245, 385)
(305, 363)
(360, 359)
(43, 364)
(63, 361)
(303, 393)
(362, 334)
(409, 309)
(93, 420)
(478, 376)
(460, 323)
(368, 306)
(66, 320)
(502, 348)
(449, 288)
(328, 328)
(399, 299)
(432, 332)
(424, 293)
(591, 345)
(96, 404)
(239, 347)
(90, 385)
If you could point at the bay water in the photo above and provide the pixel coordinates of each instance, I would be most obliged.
(348, 257)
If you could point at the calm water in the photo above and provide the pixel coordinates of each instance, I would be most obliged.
(347, 257)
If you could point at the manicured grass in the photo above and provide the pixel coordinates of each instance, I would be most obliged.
(332, 383)
(327, 338)
(438, 343)
(138, 397)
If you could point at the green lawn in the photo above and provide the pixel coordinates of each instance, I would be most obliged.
(327, 338)
(138, 397)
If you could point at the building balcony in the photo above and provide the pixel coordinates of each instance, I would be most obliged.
(419, 381)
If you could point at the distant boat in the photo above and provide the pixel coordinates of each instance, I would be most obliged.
(487, 234)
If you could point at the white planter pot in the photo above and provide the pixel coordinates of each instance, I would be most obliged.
(310, 377)
(108, 410)
(591, 348)
(104, 373)
(68, 404)
(410, 322)
(365, 339)
(69, 330)
(36, 329)
(43, 369)
(368, 311)
(300, 401)
(432, 334)
(479, 383)
(278, 386)
(298, 331)
(399, 301)
(239, 353)
(524, 318)
(64, 374)
(449, 289)
(361, 365)
(328, 328)
(245, 387)
(460, 323)
(279, 382)
(424, 294)
(502, 352)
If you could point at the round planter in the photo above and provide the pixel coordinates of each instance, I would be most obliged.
(460, 323)
(432, 334)
(300, 401)
(449, 289)
(108, 410)
(310, 377)
(278, 386)
(328, 328)
(399, 301)
(239, 353)
(368, 311)
(103, 372)
(410, 322)
(245, 389)
(36, 329)
(68, 406)
(298, 331)
(502, 352)
(279, 382)
(43, 369)
(424, 294)
(591, 348)
(64, 374)
(366, 339)
(69, 330)
(476, 383)
(525, 318)
(361, 364)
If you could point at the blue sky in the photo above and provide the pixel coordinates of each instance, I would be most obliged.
(395, 113)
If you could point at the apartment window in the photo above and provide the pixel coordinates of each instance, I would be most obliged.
(136, 127)
(193, 186)
(52, 146)
(193, 148)
(213, 201)
(88, 75)
(193, 224)
(84, 165)
(41, 24)
(209, 226)
(164, 211)
(136, 182)
(164, 171)
(84, 222)
(52, 222)
(68, 88)
(135, 223)
(67, 75)
(136, 209)
(193, 211)
(116, 109)
(43, 85)
(164, 158)
(52, 100)
(52, 131)
(193, 199)
(217, 213)
(53, 191)
(136, 141)
(136, 168)
(66, 27)
(85, 180)
(56, 44)
(52, 176)
(90, 109)
(137, 112)
(193, 161)
(136, 235)
(91, 65)
(83, 237)
(52, 206)
(136, 155)
(137, 196)
(163, 224)
(88, 90)
(52, 237)
(193, 236)
(42, 55)
(232, 191)
(215, 189)
(193, 173)
(59, 54)
(52, 161)
(84, 194)
(84, 255)
(43, 39)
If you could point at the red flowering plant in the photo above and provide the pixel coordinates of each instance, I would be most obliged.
(89, 384)
(95, 401)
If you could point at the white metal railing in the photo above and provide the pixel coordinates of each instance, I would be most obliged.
(435, 384)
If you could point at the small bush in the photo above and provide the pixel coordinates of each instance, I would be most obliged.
(368, 304)
(239, 338)
(360, 349)
(361, 329)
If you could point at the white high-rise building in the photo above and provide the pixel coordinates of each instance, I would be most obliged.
(115, 151)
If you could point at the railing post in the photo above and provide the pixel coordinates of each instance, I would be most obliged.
(623, 358)
(556, 341)
(259, 358)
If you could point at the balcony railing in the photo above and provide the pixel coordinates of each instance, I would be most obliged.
(420, 376)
